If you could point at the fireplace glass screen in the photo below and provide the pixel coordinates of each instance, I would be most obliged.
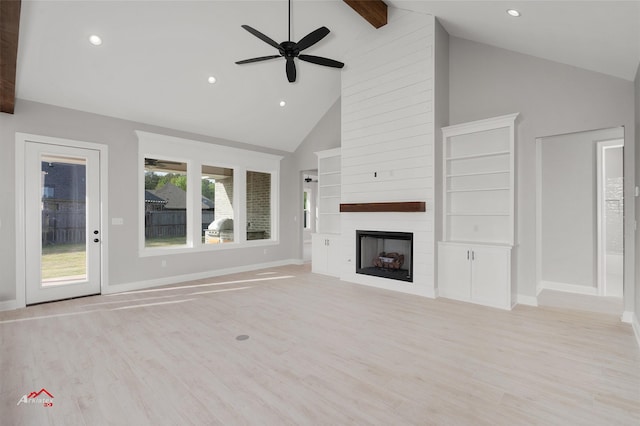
(385, 254)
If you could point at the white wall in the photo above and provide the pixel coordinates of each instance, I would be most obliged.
(569, 207)
(125, 265)
(325, 135)
(387, 140)
(553, 99)
(636, 260)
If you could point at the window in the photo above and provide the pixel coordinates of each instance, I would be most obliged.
(258, 206)
(197, 196)
(217, 205)
(165, 200)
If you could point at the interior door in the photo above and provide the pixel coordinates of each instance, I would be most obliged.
(63, 236)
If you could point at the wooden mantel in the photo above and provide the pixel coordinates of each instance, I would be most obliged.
(402, 207)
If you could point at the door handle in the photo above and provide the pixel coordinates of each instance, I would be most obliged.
(95, 240)
(467, 254)
(95, 232)
(473, 255)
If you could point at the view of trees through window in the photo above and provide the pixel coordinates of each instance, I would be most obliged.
(165, 203)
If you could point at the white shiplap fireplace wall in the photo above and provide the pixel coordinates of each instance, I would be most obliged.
(387, 142)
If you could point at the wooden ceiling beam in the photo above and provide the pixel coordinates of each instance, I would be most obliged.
(9, 28)
(374, 11)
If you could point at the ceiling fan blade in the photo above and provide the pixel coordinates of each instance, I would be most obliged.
(261, 58)
(291, 70)
(261, 36)
(312, 38)
(321, 61)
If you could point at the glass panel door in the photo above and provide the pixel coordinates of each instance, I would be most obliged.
(63, 217)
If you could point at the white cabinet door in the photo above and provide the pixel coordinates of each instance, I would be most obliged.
(454, 271)
(325, 254)
(318, 254)
(333, 255)
(490, 276)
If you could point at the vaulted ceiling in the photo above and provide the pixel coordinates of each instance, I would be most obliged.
(156, 56)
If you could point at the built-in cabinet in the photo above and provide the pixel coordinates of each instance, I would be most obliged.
(325, 249)
(474, 258)
(325, 254)
(476, 273)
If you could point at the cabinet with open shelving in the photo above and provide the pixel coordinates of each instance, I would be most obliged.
(478, 192)
(478, 211)
(325, 244)
(329, 184)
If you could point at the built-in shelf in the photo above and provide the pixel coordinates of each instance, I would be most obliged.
(478, 180)
(493, 172)
(403, 207)
(479, 189)
(480, 155)
(479, 214)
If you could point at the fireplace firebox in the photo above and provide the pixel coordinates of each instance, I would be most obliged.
(385, 254)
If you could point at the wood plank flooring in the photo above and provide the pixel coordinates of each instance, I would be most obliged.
(320, 352)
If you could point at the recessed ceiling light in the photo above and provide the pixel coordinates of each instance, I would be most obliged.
(513, 12)
(282, 103)
(95, 40)
(211, 79)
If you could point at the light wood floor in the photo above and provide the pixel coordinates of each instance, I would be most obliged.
(319, 352)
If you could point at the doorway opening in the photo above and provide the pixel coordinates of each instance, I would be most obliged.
(580, 232)
(309, 210)
(610, 205)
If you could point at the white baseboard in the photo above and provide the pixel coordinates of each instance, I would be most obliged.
(9, 305)
(567, 288)
(627, 317)
(141, 285)
(636, 328)
(527, 300)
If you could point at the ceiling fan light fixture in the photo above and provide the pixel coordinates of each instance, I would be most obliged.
(513, 12)
(290, 50)
(95, 40)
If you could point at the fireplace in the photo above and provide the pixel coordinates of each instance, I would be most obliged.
(385, 254)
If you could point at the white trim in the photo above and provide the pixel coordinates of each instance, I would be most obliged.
(538, 169)
(10, 305)
(627, 317)
(636, 328)
(20, 146)
(601, 230)
(567, 288)
(527, 300)
(480, 125)
(141, 285)
(196, 154)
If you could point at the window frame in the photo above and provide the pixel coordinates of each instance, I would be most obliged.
(197, 154)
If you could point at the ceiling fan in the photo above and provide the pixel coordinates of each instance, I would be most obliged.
(290, 50)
